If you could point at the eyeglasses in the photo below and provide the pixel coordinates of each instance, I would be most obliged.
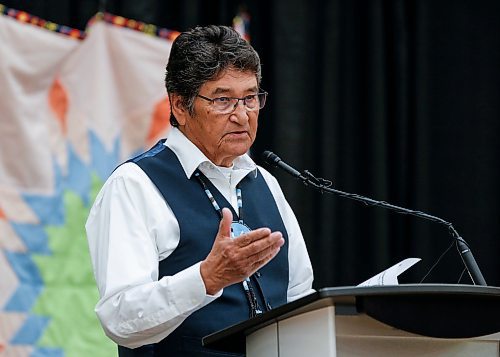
(226, 105)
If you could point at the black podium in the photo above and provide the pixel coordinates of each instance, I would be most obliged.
(399, 320)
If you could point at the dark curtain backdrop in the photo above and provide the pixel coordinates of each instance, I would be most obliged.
(397, 100)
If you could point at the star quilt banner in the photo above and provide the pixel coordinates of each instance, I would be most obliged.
(73, 104)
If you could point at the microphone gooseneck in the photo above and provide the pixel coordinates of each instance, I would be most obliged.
(324, 186)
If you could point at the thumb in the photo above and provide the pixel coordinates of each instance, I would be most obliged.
(225, 223)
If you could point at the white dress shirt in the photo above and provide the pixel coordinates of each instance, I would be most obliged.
(131, 228)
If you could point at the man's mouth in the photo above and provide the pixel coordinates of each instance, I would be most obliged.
(237, 134)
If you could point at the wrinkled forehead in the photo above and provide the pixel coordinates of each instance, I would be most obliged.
(231, 81)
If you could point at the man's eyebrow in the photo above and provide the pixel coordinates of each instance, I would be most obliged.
(222, 90)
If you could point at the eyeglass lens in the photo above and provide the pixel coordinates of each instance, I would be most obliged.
(251, 102)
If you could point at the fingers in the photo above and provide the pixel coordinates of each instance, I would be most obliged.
(262, 258)
(258, 240)
(258, 252)
(264, 247)
(262, 251)
(252, 236)
(225, 223)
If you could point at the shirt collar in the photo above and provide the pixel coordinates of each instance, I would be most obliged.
(191, 157)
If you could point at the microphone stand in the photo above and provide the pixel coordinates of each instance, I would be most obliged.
(464, 251)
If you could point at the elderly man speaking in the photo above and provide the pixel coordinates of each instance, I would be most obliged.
(192, 236)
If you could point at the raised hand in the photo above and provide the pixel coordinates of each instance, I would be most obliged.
(232, 260)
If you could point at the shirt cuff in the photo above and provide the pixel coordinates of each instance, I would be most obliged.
(207, 296)
(192, 288)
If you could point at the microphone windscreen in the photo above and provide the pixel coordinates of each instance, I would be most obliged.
(270, 157)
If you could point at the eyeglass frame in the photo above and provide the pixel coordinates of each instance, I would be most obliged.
(258, 107)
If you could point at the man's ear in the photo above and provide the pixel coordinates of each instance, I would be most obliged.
(180, 112)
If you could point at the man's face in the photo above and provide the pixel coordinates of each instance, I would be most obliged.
(221, 137)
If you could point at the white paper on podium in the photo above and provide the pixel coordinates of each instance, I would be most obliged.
(390, 276)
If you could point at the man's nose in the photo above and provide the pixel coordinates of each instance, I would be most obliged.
(240, 111)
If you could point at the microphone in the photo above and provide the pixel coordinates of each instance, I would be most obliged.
(273, 160)
(324, 186)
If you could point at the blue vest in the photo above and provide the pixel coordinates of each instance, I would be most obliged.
(199, 223)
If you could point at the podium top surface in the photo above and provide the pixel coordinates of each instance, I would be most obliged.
(434, 310)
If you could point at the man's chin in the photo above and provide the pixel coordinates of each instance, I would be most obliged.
(238, 150)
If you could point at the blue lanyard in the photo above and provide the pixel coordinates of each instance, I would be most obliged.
(201, 179)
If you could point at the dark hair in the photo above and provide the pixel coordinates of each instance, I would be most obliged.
(203, 53)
